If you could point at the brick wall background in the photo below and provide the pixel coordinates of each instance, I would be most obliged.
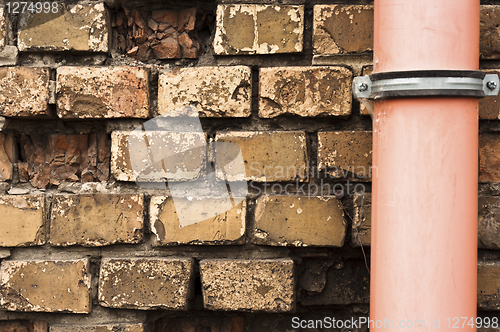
(85, 248)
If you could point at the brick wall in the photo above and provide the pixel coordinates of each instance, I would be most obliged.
(92, 240)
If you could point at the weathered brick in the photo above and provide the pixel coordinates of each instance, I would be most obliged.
(340, 29)
(176, 156)
(489, 108)
(7, 155)
(362, 219)
(334, 282)
(305, 91)
(214, 91)
(259, 29)
(146, 283)
(83, 27)
(25, 91)
(489, 43)
(489, 222)
(488, 285)
(248, 285)
(23, 326)
(102, 92)
(3, 27)
(22, 220)
(225, 228)
(96, 220)
(346, 153)
(362, 106)
(46, 286)
(299, 221)
(489, 159)
(197, 323)
(276, 156)
(98, 328)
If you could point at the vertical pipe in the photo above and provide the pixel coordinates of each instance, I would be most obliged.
(424, 213)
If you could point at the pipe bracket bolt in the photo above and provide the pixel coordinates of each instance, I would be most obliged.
(492, 85)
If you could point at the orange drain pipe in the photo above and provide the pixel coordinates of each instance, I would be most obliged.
(425, 160)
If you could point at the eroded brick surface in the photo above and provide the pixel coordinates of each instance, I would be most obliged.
(7, 155)
(299, 221)
(157, 155)
(83, 27)
(259, 29)
(3, 28)
(22, 220)
(196, 323)
(489, 43)
(340, 29)
(56, 158)
(248, 285)
(334, 282)
(96, 220)
(362, 220)
(102, 92)
(23, 326)
(305, 91)
(25, 91)
(226, 228)
(346, 153)
(46, 286)
(276, 156)
(488, 285)
(489, 222)
(214, 91)
(98, 328)
(146, 283)
(489, 159)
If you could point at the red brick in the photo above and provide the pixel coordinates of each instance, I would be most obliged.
(489, 43)
(102, 92)
(7, 155)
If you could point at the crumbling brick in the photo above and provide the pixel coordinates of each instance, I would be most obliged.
(214, 91)
(25, 92)
(102, 92)
(305, 91)
(248, 285)
(146, 283)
